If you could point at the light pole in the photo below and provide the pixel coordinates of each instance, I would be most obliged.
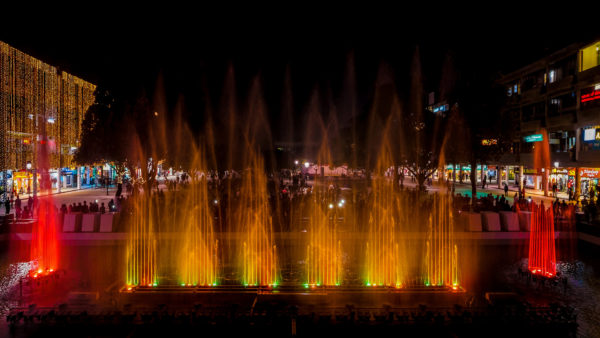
(28, 166)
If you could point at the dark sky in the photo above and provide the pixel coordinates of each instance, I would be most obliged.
(193, 51)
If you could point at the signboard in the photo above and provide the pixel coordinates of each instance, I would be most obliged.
(571, 171)
(560, 171)
(592, 95)
(591, 134)
(489, 142)
(589, 172)
(534, 138)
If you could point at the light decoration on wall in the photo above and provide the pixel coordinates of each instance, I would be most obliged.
(38, 92)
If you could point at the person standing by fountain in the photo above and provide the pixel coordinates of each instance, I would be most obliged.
(7, 206)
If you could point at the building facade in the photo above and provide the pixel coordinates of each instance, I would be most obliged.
(554, 106)
(39, 105)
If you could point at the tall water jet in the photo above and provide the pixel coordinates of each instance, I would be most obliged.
(441, 258)
(258, 254)
(198, 259)
(542, 253)
(385, 258)
(44, 235)
(142, 246)
(324, 264)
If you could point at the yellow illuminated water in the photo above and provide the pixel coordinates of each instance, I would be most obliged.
(141, 248)
(258, 254)
(198, 252)
(385, 256)
(441, 266)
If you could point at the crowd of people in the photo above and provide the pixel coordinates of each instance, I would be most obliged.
(89, 208)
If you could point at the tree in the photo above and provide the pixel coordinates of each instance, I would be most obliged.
(475, 116)
(102, 134)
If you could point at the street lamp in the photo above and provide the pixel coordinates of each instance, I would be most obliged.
(306, 164)
(28, 166)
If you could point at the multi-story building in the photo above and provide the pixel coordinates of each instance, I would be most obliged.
(554, 105)
(39, 105)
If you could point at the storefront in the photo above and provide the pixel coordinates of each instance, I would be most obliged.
(533, 179)
(22, 182)
(589, 178)
(69, 177)
(560, 177)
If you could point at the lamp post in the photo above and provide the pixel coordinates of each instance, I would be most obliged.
(28, 166)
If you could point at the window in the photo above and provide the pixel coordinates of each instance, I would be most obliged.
(589, 57)
(509, 91)
(552, 76)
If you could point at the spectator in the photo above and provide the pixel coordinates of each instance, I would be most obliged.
(102, 209)
(7, 206)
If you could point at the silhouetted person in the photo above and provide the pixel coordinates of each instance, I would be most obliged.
(102, 208)
(85, 209)
(505, 189)
(7, 206)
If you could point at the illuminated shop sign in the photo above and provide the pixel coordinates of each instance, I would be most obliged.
(589, 172)
(489, 142)
(534, 138)
(591, 134)
(592, 95)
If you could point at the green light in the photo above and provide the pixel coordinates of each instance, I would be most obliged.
(245, 284)
(368, 284)
(182, 284)
(306, 286)
(154, 285)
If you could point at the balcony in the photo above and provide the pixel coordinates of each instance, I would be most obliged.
(562, 84)
(588, 77)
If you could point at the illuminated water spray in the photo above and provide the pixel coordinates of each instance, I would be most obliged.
(141, 245)
(198, 260)
(258, 254)
(44, 239)
(324, 253)
(385, 257)
(441, 268)
(44, 235)
(542, 253)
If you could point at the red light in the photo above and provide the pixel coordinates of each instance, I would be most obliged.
(542, 252)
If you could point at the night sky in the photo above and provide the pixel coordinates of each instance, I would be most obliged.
(194, 53)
